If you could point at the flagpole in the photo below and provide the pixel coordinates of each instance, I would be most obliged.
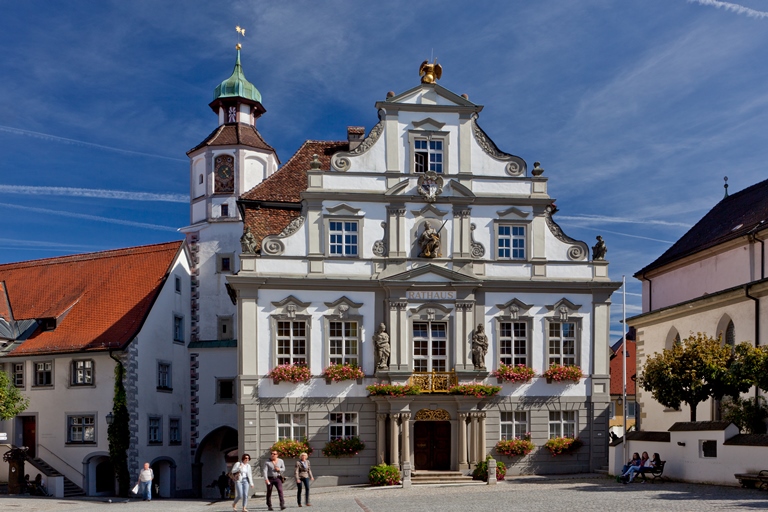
(624, 366)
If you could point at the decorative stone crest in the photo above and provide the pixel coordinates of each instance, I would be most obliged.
(576, 252)
(515, 166)
(478, 251)
(432, 415)
(430, 185)
(340, 162)
(380, 246)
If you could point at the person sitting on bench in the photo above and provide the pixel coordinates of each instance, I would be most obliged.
(635, 469)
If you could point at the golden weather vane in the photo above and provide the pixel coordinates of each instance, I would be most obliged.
(240, 32)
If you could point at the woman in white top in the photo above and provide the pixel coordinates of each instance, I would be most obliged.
(244, 481)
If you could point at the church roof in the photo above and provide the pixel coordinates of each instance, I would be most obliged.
(285, 186)
(85, 302)
(236, 86)
(235, 134)
(735, 216)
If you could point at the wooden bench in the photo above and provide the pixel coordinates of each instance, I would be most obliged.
(656, 472)
(751, 480)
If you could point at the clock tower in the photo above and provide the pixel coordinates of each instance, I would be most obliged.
(231, 160)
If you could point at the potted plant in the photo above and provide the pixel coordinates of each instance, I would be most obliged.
(291, 448)
(559, 373)
(393, 390)
(384, 475)
(341, 372)
(514, 373)
(477, 390)
(481, 470)
(343, 447)
(563, 445)
(290, 372)
(517, 447)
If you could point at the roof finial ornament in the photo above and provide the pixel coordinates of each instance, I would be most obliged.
(430, 72)
(240, 32)
(725, 186)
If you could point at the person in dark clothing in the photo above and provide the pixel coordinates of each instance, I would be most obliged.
(223, 484)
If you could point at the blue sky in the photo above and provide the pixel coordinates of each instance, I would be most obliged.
(636, 108)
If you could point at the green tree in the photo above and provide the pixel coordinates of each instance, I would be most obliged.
(693, 371)
(12, 402)
(118, 433)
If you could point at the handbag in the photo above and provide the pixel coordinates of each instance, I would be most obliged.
(135, 489)
(282, 477)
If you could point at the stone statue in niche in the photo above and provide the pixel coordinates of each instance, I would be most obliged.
(248, 241)
(599, 249)
(381, 343)
(479, 347)
(430, 242)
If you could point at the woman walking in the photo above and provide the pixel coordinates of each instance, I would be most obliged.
(303, 474)
(244, 481)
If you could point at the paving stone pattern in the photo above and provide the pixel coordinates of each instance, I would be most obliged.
(532, 494)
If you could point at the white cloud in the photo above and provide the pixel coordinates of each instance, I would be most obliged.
(728, 6)
(84, 216)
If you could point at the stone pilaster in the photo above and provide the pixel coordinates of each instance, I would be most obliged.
(394, 440)
(463, 441)
(405, 422)
(381, 432)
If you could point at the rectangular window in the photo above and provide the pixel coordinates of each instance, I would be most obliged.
(430, 346)
(514, 424)
(291, 426)
(343, 339)
(513, 343)
(428, 155)
(164, 376)
(174, 431)
(631, 409)
(225, 328)
(44, 373)
(343, 238)
(612, 411)
(81, 429)
(225, 390)
(562, 424)
(292, 342)
(177, 284)
(178, 328)
(225, 210)
(82, 372)
(224, 263)
(562, 343)
(343, 424)
(511, 242)
(155, 430)
(708, 449)
(18, 375)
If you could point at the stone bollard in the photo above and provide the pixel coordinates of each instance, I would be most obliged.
(491, 471)
(406, 475)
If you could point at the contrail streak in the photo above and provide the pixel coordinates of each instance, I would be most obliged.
(728, 6)
(621, 220)
(92, 192)
(55, 138)
(91, 217)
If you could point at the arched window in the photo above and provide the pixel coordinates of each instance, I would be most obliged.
(730, 334)
(673, 339)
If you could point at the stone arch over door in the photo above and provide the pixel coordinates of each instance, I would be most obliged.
(98, 475)
(211, 459)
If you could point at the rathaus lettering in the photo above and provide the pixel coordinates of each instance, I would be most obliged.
(445, 295)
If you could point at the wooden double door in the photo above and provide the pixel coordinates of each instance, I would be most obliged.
(432, 445)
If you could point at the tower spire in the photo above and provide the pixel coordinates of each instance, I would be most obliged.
(725, 186)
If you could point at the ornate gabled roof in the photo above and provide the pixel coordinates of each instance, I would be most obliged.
(85, 302)
(735, 216)
(236, 86)
(236, 134)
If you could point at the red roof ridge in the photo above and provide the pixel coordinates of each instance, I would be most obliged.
(109, 253)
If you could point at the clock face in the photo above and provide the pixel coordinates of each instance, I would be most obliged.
(224, 171)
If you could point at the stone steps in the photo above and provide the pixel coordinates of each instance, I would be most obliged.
(442, 477)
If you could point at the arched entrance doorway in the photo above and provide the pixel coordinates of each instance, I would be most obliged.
(432, 440)
(98, 475)
(211, 458)
(164, 484)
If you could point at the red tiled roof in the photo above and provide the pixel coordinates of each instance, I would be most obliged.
(617, 367)
(100, 300)
(268, 221)
(239, 134)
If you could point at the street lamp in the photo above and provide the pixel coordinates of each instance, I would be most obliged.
(110, 418)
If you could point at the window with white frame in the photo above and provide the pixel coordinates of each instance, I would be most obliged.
(430, 346)
(155, 430)
(562, 343)
(44, 373)
(178, 329)
(291, 342)
(514, 424)
(164, 376)
(174, 431)
(342, 424)
(562, 424)
(612, 410)
(513, 343)
(343, 339)
(510, 242)
(427, 155)
(291, 426)
(81, 429)
(631, 409)
(82, 372)
(343, 238)
(18, 375)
